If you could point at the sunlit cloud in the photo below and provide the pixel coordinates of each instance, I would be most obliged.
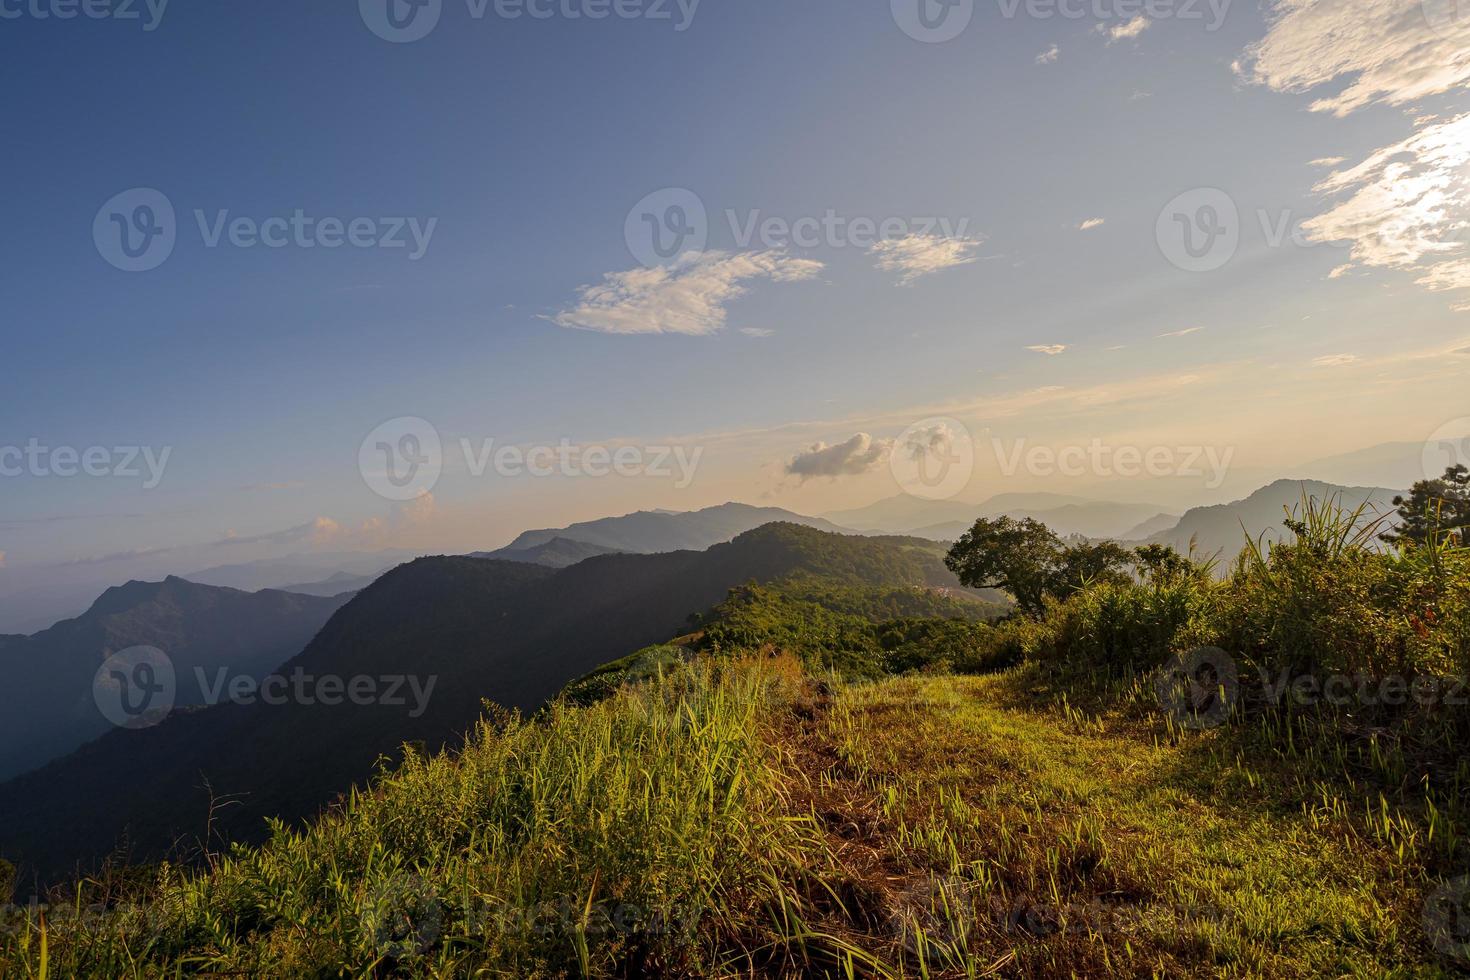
(689, 297)
(1125, 31)
(916, 255)
(1326, 161)
(856, 456)
(1395, 51)
(1048, 56)
(1051, 350)
(1335, 360)
(1090, 224)
(1181, 333)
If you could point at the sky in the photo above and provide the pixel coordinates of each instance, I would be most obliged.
(282, 277)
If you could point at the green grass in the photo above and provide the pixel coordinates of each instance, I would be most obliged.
(737, 818)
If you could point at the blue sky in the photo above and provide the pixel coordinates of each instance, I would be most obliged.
(527, 142)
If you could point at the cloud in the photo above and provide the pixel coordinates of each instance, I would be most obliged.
(1125, 31)
(856, 456)
(922, 255)
(688, 297)
(1460, 307)
(1335, 360)
(1457, 350)
(1181, 333)
(1389, 48)
(757, 332)
(935, 440)
(1051, 350)
(1090, 223)
(1048, 56)
(1326, 161)
(1405, 206)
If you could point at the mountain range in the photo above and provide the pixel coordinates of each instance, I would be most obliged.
(49, 676)
(946, 520)
(653, 531)
(452, 631)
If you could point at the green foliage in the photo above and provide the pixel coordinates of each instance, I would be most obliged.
(1434, 511)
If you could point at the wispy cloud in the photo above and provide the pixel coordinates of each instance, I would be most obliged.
(856, 456)
(1181, 333)
(689, 297)
(916, 256)
(1335, 360)
(757, 332)
(1125, 31)
(1389, 48)
(1406, 205)
(1050, 350)
(1048, 56)
(1090, 224)
(1326, 161)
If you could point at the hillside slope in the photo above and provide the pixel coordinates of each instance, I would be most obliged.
(51, 710)
(462, 630)
(649, 532)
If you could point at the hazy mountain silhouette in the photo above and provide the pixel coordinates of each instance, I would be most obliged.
(1062, 513)
(50, 708)
(653, 531)
(1222, 528)
(556, 553)
(512, 632)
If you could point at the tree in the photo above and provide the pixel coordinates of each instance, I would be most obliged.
(1087, 564)
(1434, 510)
(1022, 557)
(1159, 563)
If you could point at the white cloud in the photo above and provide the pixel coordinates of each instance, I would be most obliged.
(1051, 350)
(1181, 333)
(1406, 206)
(1339, 271)
(757, 332)
(1447, 275)
(688, 297)
(1389, 48)
(856, 456)
(922, 255)
(1090, 223)
(1460, 307)
(1125, 31)
(1048, 56)
(1326, 161)
(1335, 360)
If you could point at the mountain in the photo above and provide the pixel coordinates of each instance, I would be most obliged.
(1063, 514)
(278, 573)
(343, 583)
(650, 532)
(50, 706)
(1150, 527)
(556, 553)
(1221, 529)
(1391, 464)
(461, 629)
